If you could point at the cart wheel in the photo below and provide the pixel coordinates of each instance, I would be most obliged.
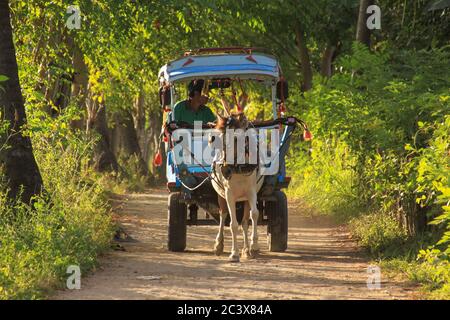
(176, 223)
(277, 228)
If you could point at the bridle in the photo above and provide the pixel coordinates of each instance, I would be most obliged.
(236, 168)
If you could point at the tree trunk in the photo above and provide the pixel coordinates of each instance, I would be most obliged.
(155, 143)
(62, 96)
(104, 158)
(127, 140)
(16, 153)
(57, 91)
(306, 68)
(79, 83)
(139, 119)
(412, 217)
(326, 69)
(362, 32)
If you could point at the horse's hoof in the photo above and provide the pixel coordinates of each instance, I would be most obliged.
(233, 258)
(218, 249)
(246, 254)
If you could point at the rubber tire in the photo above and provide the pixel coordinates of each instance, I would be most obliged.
(177, 223)
(277, 228)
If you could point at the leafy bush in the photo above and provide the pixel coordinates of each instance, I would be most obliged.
(378, 232)
(434, 272)
(380, 149)
(327, 179)
(131, 179)
(67, 226)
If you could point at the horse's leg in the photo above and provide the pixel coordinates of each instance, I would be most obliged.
(246, 250)
(254, 213)
(234, 257)
(218, 247)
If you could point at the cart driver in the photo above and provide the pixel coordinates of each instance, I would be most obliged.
(194, 108)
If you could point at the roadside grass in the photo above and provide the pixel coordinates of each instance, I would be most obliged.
(383, 239)
(38, 244)
(128, 179)
(70, 225)
(396, 253)
(379, 157)
(324, 183)
(433, 277)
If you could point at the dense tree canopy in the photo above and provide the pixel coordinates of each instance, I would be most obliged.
(376, 100)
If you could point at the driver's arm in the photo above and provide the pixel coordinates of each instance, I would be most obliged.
(210, 116)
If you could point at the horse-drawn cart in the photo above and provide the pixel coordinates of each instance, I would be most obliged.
(190, 184)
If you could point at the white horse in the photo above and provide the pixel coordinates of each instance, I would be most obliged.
(232, 186)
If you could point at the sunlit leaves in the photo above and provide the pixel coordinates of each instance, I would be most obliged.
(183, 23)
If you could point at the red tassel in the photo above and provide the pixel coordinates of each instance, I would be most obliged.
(307, 135)
(157, 160)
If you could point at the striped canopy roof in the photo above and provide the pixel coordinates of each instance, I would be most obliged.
(255, 66)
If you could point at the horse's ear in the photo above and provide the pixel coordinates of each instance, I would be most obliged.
(220, 117)
(221, 120)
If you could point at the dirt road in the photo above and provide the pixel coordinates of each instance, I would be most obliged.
(321, 263)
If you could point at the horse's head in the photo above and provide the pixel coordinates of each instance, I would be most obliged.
(243, 142)
(236, 120)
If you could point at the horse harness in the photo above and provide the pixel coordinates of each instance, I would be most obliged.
(227, 169)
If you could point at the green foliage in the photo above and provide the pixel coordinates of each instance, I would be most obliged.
(381, 123)
(413, 25)
(378, 232)
(325, 180)
(67, 226)
(434, 271)
(131, 178)
(381, 142)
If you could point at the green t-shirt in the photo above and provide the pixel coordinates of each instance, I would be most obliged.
(182, 112)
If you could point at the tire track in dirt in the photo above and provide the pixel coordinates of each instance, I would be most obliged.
(321, 262)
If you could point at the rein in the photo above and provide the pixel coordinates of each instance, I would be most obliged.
(173, 125)
(244, 168)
